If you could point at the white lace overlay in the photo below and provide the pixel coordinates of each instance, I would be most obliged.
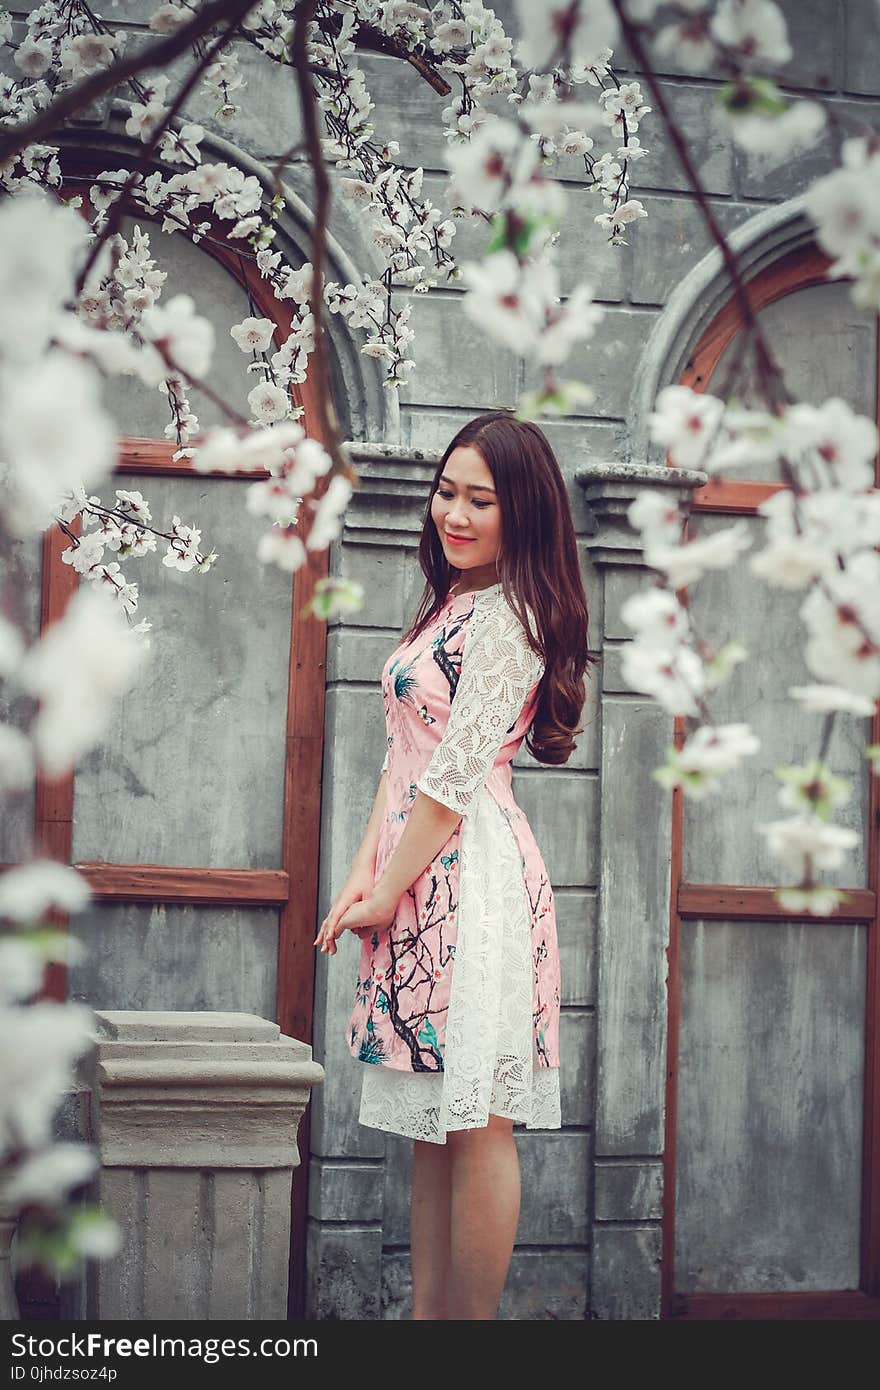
(498, 672)
(490, 1061)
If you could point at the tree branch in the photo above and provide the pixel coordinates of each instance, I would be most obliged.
(309, 107)
(156, 56)
(769, 369)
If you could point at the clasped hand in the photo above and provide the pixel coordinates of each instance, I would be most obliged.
(369, 914)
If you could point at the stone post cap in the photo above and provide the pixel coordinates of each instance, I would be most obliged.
(178, 1089)
(610, 488)
(178, 1048)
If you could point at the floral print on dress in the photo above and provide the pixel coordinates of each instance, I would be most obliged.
(458, 702)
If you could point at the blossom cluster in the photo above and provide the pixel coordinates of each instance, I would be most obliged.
(822, 535)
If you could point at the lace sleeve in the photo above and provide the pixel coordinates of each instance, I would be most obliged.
(499, 670)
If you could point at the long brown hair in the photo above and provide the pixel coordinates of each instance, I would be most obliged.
(537, 566)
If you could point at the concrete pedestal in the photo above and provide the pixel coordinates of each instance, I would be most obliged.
(195, 1117)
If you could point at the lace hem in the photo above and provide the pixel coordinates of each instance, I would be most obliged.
(490, 1061)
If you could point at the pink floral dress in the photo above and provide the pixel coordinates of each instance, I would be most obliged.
(456, 1011)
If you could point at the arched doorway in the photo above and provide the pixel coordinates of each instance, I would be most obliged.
(772, 1131)
(197, 820)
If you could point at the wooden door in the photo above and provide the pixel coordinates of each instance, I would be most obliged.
(772, 1153)
(196, 821)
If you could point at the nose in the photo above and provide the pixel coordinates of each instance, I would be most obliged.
(455, 520)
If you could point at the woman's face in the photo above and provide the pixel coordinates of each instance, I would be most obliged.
(465, 504)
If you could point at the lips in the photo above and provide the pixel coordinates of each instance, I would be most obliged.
(458, 540)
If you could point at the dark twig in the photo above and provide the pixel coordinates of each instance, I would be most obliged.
(119, 208)
(769, 369)
(309, 107)
(159, 54)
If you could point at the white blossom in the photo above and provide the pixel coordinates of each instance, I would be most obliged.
(268, 402)
(657, 616)
(54, 434)
(327, 522)
(683, 422)
(674, 676)
(41, 245)
(778, 137)
(38, 1046)
(78, 669)
(689, 561)
(754, 29)
(282, 547)
(176, 330)
(804, 840)
(549, 28)
(253, 335)
(48, 1175)
(821, 699)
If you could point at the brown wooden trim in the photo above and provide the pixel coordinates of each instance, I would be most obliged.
(844, 1304)
(53, 796)
(300, 852)
(720, 900)
(798, 271)
(166, 883)
(732, 498)
(155, 456)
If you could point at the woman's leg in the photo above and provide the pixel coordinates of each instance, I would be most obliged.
(429, 1228)
(485, 1214)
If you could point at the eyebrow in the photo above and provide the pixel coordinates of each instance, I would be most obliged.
(474, 487)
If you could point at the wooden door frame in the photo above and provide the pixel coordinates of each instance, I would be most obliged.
(293, 886)
(796, 271)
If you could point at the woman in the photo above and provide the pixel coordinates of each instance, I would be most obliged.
(448, 887)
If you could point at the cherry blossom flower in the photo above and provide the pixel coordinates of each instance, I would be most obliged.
(754, 29)
(551, 28)
(327, 522)
(46, 451)
(282, 547)
(683, 422)
(41, 245)
(48, 1175)
(253, 335)
(822, 698)
(174, 330)
(804, 841)
(28, 891)
(689, 561)
(38, 1046)
(674, 676)
(78, 669)
(709, 752)
(657, 616)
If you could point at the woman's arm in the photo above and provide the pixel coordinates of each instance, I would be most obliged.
(427, 829)
(359, 884)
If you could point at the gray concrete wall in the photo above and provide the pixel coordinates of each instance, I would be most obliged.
(588, 1242)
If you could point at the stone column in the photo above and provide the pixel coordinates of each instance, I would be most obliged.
(633, 925)
(195, 1117)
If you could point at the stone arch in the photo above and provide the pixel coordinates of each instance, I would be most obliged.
(696, 300)
(366, 409)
